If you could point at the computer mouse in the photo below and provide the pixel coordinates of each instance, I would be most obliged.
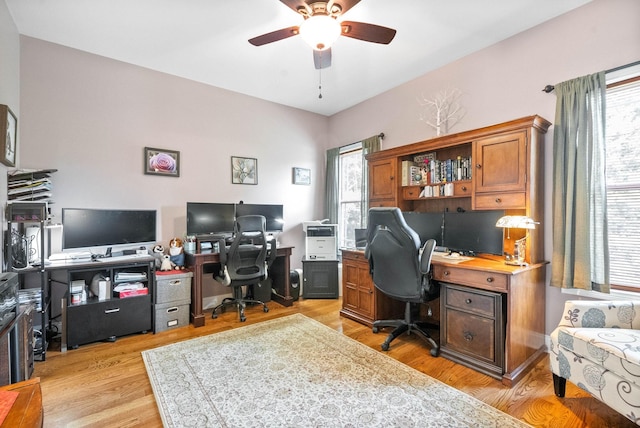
(454, 255)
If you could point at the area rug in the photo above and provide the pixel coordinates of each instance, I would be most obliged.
(296, 372)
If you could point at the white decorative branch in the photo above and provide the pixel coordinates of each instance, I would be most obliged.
(443, 111)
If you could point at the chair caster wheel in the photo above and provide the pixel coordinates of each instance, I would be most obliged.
(375, 329)
(385, 346)
(434, 352)
(243, 319)
(265, 309)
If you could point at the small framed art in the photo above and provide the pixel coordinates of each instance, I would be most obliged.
(301, 176)
(8, 136)
(244, 170)
(161, 162)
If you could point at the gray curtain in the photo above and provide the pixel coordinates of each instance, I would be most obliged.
(332, 185)
(580, 246)
(369, 145)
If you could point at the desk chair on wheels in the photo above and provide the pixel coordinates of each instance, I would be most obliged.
(245, 262)
(401, 269)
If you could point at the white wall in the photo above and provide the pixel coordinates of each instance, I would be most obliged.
(504, 82)
(90, 117)
(9, 86)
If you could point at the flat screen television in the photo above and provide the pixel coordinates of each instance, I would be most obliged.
(207, 218)
(473, 232)
(93, 228)
(273, 214)
(426, 225)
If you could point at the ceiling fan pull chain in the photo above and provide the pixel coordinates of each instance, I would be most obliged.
(320, 85)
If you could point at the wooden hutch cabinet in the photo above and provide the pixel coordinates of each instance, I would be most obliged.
(382, 183)
(491, 314)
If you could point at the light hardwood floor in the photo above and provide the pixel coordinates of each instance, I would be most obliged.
(106, 385)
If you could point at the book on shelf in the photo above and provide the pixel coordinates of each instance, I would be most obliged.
(406, 172)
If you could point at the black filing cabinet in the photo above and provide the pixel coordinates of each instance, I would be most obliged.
(320, 279)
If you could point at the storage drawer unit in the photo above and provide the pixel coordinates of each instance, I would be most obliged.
(170, 315)
(107, 320)
(473, 329)
(173, 288)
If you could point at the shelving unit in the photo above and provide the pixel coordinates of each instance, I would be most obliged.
(29, 193)
(24, 252)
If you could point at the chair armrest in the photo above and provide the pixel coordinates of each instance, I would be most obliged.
(601, 314)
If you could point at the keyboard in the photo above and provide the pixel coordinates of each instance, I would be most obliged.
(78, 255)
(127, 258)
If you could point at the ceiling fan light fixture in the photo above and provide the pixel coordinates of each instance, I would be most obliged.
(320, 31)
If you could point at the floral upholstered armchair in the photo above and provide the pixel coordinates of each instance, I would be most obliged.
(597, 347)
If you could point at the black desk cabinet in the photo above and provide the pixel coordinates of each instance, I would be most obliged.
(108, 320)
(97, 320)
(320, 279)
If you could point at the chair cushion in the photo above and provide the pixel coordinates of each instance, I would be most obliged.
(615, 349)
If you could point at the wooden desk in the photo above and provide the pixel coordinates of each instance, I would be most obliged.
(492, 315)
(27, 409)
(279, 274)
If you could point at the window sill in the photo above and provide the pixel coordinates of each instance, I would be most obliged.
(614, 295)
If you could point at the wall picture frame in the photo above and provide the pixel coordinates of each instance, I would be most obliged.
(301, 176)
(161, 162)
(8, 136)
(244, 170)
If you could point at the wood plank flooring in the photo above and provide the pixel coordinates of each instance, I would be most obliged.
(106, 384)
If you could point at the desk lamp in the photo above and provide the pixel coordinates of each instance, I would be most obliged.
(516, 222)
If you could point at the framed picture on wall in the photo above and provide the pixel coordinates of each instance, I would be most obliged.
(8, 136)
(301, 176)
(161, 162)
(244, 170)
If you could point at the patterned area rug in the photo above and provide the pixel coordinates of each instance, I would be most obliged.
(296, 372)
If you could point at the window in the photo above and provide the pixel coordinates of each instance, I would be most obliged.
(623, 180)
(351, 203)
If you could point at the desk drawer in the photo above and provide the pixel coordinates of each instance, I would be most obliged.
(468, 301)
(471, 334)
(500, 201)
(475, 278)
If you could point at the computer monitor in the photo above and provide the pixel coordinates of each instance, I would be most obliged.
(94, 228)
(272, 213)
(207, 218)
(426, 225)
(473, 232)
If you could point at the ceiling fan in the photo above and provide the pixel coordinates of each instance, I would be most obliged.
(321, 28)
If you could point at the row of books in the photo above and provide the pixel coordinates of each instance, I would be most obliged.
(436, 171)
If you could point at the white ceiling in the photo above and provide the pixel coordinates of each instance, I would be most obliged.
(206, 41)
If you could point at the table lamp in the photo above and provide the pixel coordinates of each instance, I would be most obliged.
(517, 222)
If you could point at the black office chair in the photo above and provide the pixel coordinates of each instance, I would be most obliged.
(245, 262)
(401, 270)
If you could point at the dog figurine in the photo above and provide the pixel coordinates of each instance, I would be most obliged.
(176, 253)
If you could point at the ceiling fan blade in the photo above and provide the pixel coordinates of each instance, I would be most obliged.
(368, 32)
(322, 59)
(274, 36)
